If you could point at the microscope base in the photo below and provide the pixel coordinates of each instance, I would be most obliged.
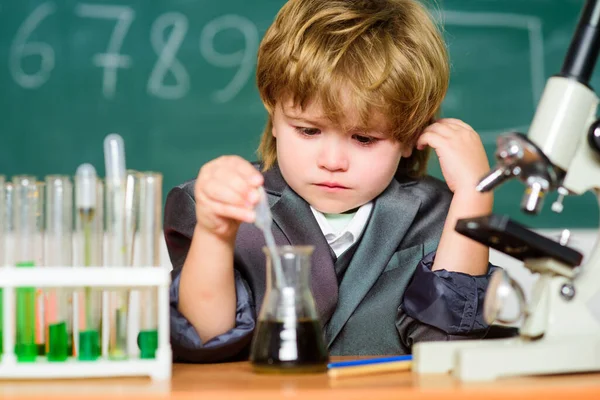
(484, 360)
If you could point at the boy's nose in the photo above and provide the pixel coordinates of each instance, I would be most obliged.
(333, 157)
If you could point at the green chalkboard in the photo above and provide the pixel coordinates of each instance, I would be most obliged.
(176, 79)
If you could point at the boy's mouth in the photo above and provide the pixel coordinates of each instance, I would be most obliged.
(331, 186)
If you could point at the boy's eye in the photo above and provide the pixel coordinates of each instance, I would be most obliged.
(308, 131)
(364, 139)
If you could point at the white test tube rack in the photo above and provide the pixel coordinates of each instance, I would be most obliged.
(102, 278)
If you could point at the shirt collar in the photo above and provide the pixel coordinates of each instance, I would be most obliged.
(354, 228)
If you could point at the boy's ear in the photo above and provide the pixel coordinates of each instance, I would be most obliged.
(407, 151)
(272, 122)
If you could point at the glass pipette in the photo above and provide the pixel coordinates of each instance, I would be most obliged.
(264, 221)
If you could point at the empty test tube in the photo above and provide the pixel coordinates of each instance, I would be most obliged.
(7, 242)
(8, 251)
(150, 232)
(2, 218)
(2, 251)
(114, 156)
(132, 209)
(58, 253)
(90, 231)
(26, 207)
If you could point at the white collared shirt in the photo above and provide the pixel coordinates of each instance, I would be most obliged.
(341, 241)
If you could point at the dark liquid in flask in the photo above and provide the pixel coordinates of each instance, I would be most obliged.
(291, 347)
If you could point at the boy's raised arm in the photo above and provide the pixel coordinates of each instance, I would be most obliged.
(225, 194)
(208, 297)
(207, 287)
(457, 252)
(463, 162)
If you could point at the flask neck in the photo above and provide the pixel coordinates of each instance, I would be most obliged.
(288, 296)
(289, 267)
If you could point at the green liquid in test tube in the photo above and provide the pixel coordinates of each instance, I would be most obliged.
(90, 231)
(58, 253)
(26, 208)
(150, 231)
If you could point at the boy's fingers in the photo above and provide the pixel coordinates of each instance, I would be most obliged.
(228, 211)
(431, 139)
(457, 122)
(233, 212)
(247, 171)
(441, 129)
(233, 172)
(239, 184)
(224, 194)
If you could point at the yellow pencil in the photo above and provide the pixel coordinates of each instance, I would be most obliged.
(369, 369)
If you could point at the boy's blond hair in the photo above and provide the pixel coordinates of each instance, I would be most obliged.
(383, 56)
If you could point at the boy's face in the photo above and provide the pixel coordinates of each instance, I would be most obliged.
(334, 168)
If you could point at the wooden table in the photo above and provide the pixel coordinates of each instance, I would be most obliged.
(237, 381)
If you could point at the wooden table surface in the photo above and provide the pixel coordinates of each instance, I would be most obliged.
(237, 381)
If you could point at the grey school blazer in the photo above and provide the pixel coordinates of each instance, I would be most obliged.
(388, 297)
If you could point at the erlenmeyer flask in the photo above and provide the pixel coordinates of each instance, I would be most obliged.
(289, 338)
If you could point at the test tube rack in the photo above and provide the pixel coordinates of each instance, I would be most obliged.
(101, 278)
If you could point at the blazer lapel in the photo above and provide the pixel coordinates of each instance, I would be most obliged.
(295, 219)
(392, 215)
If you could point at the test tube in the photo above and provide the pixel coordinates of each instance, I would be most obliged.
(132, 209)
(58, 253)
(26, 207)
(150, 233)
(89, 226)
(40, 326)
(2, 251)
(114, 157)
(7, 243)
(2, 218)
(8, 253)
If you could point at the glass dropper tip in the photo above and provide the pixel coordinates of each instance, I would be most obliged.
(114, 159)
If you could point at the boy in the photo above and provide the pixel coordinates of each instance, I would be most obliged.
(351, 89)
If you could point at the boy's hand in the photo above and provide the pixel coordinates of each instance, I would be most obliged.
(226, 194)
(462, 157)
(464, 163)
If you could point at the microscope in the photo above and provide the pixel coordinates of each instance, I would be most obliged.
(560, 332)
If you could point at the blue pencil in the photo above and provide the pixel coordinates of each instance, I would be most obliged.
(356, 363)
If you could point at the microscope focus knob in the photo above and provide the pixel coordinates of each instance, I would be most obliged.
(594, 136)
